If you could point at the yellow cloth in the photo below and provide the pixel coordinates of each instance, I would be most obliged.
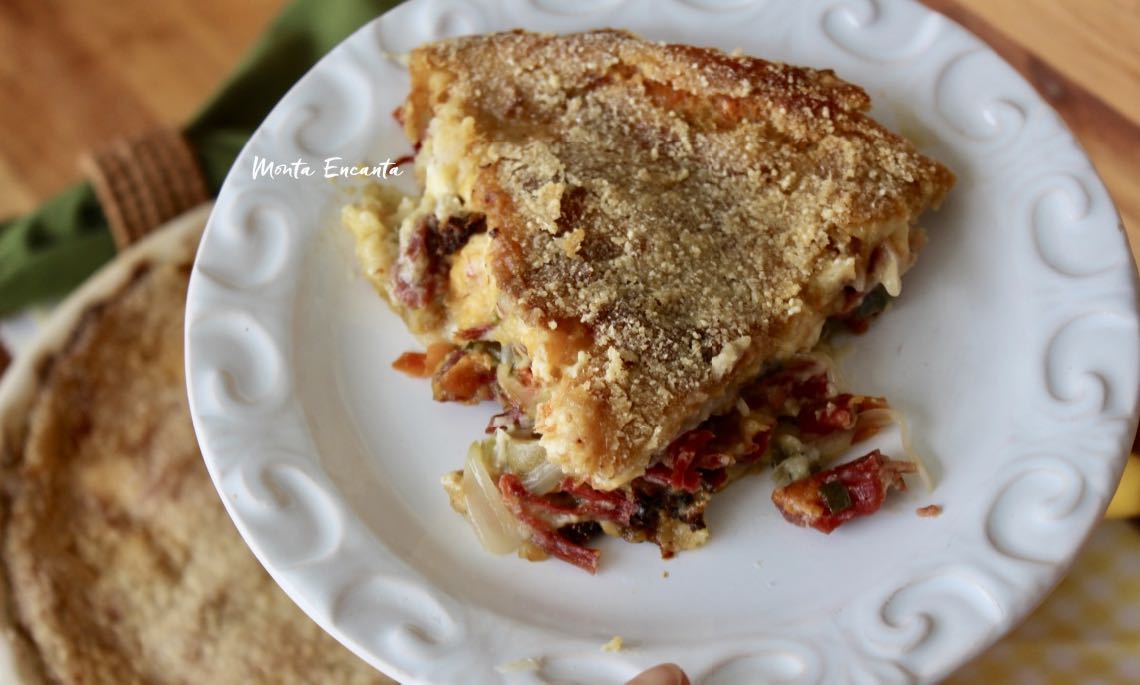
(1126, 502)
(1087, 631)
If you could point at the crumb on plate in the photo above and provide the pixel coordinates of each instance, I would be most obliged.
(929, 511)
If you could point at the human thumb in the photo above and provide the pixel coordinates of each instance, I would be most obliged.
(665, 674)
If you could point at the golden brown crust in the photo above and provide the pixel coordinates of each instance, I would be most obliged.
(123, 565)
(688, 207)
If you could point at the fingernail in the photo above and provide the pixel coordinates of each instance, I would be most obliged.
(665, 674)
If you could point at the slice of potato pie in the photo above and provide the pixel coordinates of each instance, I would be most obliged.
(623, 241)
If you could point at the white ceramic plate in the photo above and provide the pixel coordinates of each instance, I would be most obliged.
(1013, 350)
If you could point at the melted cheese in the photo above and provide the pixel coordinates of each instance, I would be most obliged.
(536, 341)
(449, 172)
(371, 222)
(472, 295)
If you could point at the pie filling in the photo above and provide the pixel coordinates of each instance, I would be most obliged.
(793, 418)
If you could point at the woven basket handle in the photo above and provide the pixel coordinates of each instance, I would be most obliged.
(142, 182)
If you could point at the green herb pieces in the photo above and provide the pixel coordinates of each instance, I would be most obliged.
(835, 496)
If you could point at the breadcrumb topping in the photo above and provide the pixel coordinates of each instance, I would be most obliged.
(677, 202)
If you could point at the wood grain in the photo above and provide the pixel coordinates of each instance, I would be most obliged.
(1110, 136)
(1095, 43)
(77, 73)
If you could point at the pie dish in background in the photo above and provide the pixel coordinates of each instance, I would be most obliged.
(1013, 352)
(118, 563)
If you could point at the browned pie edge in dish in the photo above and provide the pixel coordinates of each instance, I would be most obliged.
(118, 563)
(617, 236)
(20, 660)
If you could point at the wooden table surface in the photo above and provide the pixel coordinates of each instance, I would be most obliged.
(77, 73)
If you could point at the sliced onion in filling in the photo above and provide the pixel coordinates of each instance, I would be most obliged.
(497, 529)
(543, 478)
(527, 460)
(833, 445)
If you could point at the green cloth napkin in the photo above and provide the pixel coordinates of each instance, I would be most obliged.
(50, 251)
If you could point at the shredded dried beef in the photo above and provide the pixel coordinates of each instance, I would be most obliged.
(420, 275)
